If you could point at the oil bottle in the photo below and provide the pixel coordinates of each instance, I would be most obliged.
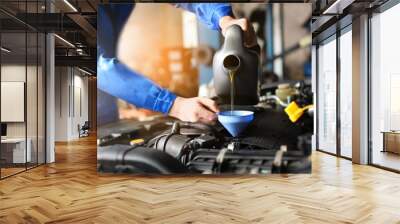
(242, 64)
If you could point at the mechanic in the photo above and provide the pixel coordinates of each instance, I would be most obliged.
(118, 80)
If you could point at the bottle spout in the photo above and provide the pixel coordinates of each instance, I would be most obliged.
(231, 62)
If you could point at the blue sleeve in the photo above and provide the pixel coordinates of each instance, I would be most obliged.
(118, 80)
(208, 13)
(114, 78)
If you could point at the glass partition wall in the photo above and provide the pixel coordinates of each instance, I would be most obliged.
(345, 96)
(385, 89)
(334, 94)
(22, 77)
(326, 94)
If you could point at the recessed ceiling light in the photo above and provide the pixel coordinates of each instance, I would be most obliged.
(64, 40)
(70, 5)
(337, 7)
(5, 49)
(84, 71)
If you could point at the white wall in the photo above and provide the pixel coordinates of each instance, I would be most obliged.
(13, 73)
(61, 103)
(81, 104)
(16, 73)
(33, 127)
(71, 102)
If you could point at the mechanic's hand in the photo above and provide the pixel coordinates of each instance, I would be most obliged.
(197, 109)
(250, 38)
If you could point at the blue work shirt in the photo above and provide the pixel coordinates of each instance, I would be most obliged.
(117, 79)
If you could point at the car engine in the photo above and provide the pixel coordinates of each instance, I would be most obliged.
(272, 143)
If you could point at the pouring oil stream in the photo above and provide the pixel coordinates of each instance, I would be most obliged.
(231, 64)
(232, 80)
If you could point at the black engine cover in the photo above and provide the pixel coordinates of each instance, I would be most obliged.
(139, 160)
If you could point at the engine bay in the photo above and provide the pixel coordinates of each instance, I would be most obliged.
(272, 143)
